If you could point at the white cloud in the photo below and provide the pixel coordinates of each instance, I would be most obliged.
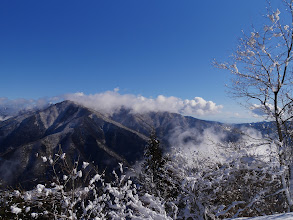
(111, 101)
(199, 146)
(211, 146)
(261, 110)
(12, 107)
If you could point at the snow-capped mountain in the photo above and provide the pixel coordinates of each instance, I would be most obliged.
(86, 135)
(81, 133)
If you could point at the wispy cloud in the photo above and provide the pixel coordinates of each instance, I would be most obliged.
(12, 107)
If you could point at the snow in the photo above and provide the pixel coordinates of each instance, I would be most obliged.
(96, 178)
(15, 209)
(40, 188)
(34, 215)
(44, 159)
(286, 27)
(27, 209)
(277, 13)
(287, 216)
(79, 174)
(85, 164)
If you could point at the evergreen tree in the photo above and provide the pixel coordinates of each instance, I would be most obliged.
(154, 159)
(156, 178)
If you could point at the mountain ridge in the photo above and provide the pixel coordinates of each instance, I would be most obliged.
(82, 133)
(87, 135)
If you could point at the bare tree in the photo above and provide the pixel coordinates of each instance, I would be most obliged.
(261, 70)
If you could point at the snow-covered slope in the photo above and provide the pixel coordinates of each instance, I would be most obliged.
(82, 134)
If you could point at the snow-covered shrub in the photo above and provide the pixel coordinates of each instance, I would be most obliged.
(64, 198)
(184, 187)
(243, 185)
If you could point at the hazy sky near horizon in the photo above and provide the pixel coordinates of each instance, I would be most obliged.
(145, 47)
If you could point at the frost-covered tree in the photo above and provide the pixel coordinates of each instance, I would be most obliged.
(240, 185)
(156, 177)
(97, 199)
(261, 70)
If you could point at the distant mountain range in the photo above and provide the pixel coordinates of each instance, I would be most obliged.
(85, 135)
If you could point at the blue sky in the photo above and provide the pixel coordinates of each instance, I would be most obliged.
(144, 47)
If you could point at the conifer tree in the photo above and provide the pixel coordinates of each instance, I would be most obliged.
(156, 177)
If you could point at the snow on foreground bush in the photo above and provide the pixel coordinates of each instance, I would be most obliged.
(242, 186)
(183, 187)
(285, 216)
(97, 200)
